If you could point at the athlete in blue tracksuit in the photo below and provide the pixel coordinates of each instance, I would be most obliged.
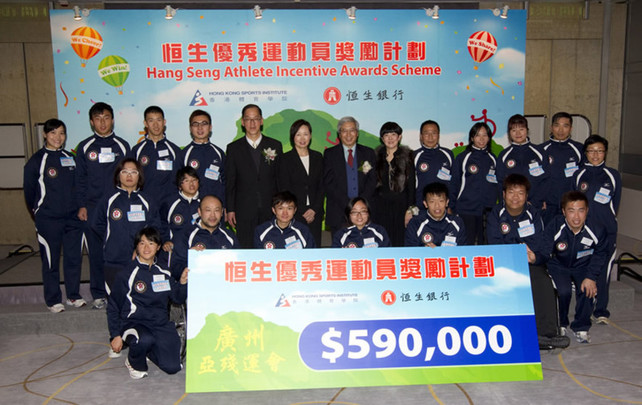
(474, 187)
(207, 233)
(138, 314)
(120, 215)
(157, 155)
(179, 210)
(522, 157)
(48, 183)
(602, 186)
(433, 163)
(433, 226)
(206, 158)
(578, 251)
(96, 160)
(283, 231)
(369, 236)
(516, 221)
(564, 156)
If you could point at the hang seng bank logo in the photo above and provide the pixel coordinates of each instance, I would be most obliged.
(198, 99)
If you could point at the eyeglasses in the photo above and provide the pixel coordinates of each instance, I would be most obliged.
(128, 172)
(197, 124)
(357, 213)
(252, 119)
(596, 151)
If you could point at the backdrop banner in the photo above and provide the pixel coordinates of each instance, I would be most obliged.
(386, 65)
(316, 318)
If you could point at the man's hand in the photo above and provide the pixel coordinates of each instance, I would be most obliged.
(183, 279)
(231, 219)
(530, 254)
(309, 215)
(82, 213)
(589, 288)
(168, 246)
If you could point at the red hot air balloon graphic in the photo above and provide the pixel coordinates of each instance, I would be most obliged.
(481, 46)
(86, 42)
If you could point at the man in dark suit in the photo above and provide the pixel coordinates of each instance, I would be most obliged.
(251, 176)
(347, 172)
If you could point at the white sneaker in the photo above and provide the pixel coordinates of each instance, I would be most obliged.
(99, 303)
(133, 373)
(56, 308)
(563, 331)
(113, 355)
(583, 337)
(602, 320)
(76, 303)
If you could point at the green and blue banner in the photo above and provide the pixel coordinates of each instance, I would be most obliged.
(294, 319)
(386, 65)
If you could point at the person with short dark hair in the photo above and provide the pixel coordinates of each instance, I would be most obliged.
(300, 171)
(394, 198)
(578, 248)
(180, 209)
(360, 232)
(96, 160)
(209, 232)
(516, 221)
(138, 309)
(156, 154)
(602, 186)
(434, 226)
(522, 157)
(474, 183)
(283, 232)
(347, 172)
(205, 157)
(120, 215)
(251, 176)
(564, 157)
(433, 163)
(48, 184)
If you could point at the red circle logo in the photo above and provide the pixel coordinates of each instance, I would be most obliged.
(268, 245)
(473, 169)
(510, 164)
(351, 245)
(423, 167)
(92, 155)
(144, 160)
(583, 186)
(427, 238)
(116, 214)
(332, 95)
(178, 219)
(140, 287)
(194, 164)
(562, 246)
(52, 172)
(505, 227)
(388, 297)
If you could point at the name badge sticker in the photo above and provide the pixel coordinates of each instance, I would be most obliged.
(571, 167)
(293, 243)
(535, 169)
(370, 243)
(163, 153)
(67, 161)
(449, 240)
(212, 172)
(136, 216)
(164, 165)
(444, 174)
(526, 229)
(602, 196)
(586, 241)
(584, 253)
(106, 156)
(160, 286)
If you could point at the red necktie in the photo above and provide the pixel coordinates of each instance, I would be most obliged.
(350, 158)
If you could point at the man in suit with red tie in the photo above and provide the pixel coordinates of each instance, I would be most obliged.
(347, 172)
(251, 176)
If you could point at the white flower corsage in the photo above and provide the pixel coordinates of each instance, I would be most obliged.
(365, 167)
(269, 154)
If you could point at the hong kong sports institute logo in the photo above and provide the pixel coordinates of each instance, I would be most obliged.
(198, 99)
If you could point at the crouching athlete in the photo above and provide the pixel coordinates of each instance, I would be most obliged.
(137, 313)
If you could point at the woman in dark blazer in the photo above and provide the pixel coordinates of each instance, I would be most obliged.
(300, 171)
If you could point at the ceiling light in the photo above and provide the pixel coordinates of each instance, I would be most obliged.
(433, 12)
(170, 12)
(352, 13)
(77, 15)
(258, 13)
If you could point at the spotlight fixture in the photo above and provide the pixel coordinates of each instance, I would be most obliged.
(352, 13)
(79, 14)
(501, 12)
(433, 12)
(504, 11)
(170, 12)
(258, 13)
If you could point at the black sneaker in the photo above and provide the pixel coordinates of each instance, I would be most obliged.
(555, 342)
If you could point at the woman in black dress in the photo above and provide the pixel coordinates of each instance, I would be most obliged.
(300, 171)
(395, 193)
